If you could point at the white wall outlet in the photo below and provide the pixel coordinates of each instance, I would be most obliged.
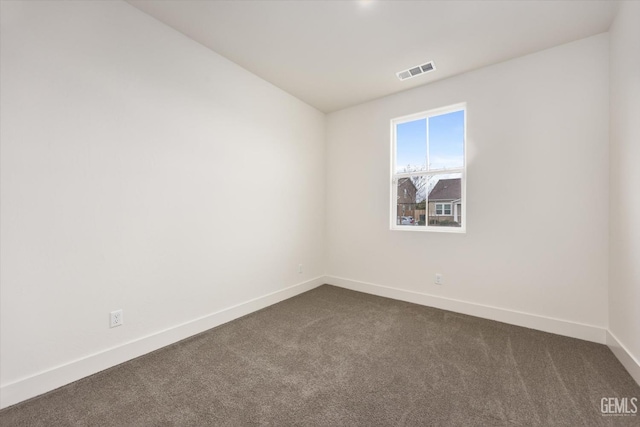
(299, 268)
(438, 279)
(116, 318)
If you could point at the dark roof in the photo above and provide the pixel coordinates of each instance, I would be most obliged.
(446, 189)
(403, 181)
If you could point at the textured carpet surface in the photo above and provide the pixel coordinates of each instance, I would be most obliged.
(337, 357)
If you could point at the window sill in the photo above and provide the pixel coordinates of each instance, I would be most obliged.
(432, 229)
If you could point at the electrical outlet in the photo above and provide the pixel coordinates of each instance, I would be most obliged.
(299, 268)
(116, 318)
(438, 279)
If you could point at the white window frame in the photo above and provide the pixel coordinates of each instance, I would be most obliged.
(395, 175)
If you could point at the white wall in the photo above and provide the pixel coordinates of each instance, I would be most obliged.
(537, 239)
(139, 171)
(624, 281)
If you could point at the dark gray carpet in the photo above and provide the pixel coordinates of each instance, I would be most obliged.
(336, 357)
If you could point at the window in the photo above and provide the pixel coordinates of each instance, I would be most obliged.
(443, 208)
(428, 169)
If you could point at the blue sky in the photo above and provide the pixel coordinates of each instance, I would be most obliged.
(446, 142)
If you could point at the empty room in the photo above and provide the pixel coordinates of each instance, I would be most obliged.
(319, 213)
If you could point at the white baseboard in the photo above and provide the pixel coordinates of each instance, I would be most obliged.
(533, 321)
(59, 376)
(631, 364)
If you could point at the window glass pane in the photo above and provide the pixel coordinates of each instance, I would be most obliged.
(411, 146)
(446, 141)
(411, 205)
(444, 202)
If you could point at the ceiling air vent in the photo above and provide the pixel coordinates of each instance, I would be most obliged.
(404, 75)
(427, 67)
(416, 71)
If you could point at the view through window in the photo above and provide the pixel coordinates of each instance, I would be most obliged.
(428, 182)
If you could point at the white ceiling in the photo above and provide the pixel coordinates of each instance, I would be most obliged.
(334, 54)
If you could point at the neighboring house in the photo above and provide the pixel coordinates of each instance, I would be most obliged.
(445, 203)
(406, 197)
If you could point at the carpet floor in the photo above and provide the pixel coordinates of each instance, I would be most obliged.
(334, 357)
